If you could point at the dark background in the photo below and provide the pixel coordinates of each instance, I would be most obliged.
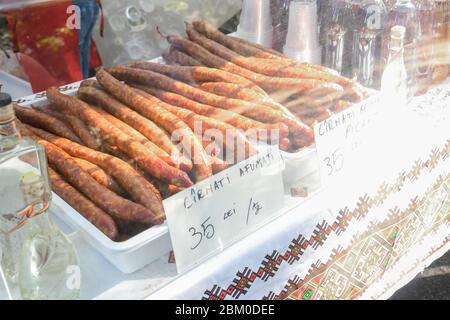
(431, 284)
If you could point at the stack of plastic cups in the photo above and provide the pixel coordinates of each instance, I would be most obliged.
(256, 22)
(302, 42)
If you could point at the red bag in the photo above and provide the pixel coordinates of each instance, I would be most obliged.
(41, 33)
(38, 76)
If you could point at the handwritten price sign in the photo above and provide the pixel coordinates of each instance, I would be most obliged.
(213, 214)
(338, 137)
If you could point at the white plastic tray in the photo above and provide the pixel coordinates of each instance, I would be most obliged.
(128, 256)
(148, 246)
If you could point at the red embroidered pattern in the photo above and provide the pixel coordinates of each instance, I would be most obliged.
(271, 263)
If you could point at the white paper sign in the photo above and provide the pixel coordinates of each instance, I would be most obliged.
(211, 215)
(338, 137)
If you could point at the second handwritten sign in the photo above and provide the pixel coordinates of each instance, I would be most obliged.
(339, 137)
(214, 213)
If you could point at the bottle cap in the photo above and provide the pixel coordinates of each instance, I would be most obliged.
(398, 32)
(6, 108)
(5, 99)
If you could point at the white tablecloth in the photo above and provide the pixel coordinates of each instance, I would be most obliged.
(363, 237)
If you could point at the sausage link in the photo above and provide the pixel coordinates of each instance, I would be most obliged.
(175, 56)
(45, 121)
(100, 176)
(232, 90)
(78, 126)
(84, 206)
(196, 74)
(241, 46)
(226, 116)
(270, 51)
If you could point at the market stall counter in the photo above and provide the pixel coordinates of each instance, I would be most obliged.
(364, 240)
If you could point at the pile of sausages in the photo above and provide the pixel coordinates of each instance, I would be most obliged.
(310, 92)
(113, 153)
(131, 137)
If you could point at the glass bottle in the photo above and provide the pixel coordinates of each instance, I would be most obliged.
(394, 89)
(441, 26)
(279, 10)
(322, 9)
(36, 256)
(442, 18)
(370, 16)
(337, 36)
(426, 10)
(404, 13)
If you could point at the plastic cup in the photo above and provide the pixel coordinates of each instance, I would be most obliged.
(256, 22)
(302, 41)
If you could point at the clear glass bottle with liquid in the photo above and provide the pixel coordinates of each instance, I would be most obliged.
(404, 13)
(394, 88)
(36, 256)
